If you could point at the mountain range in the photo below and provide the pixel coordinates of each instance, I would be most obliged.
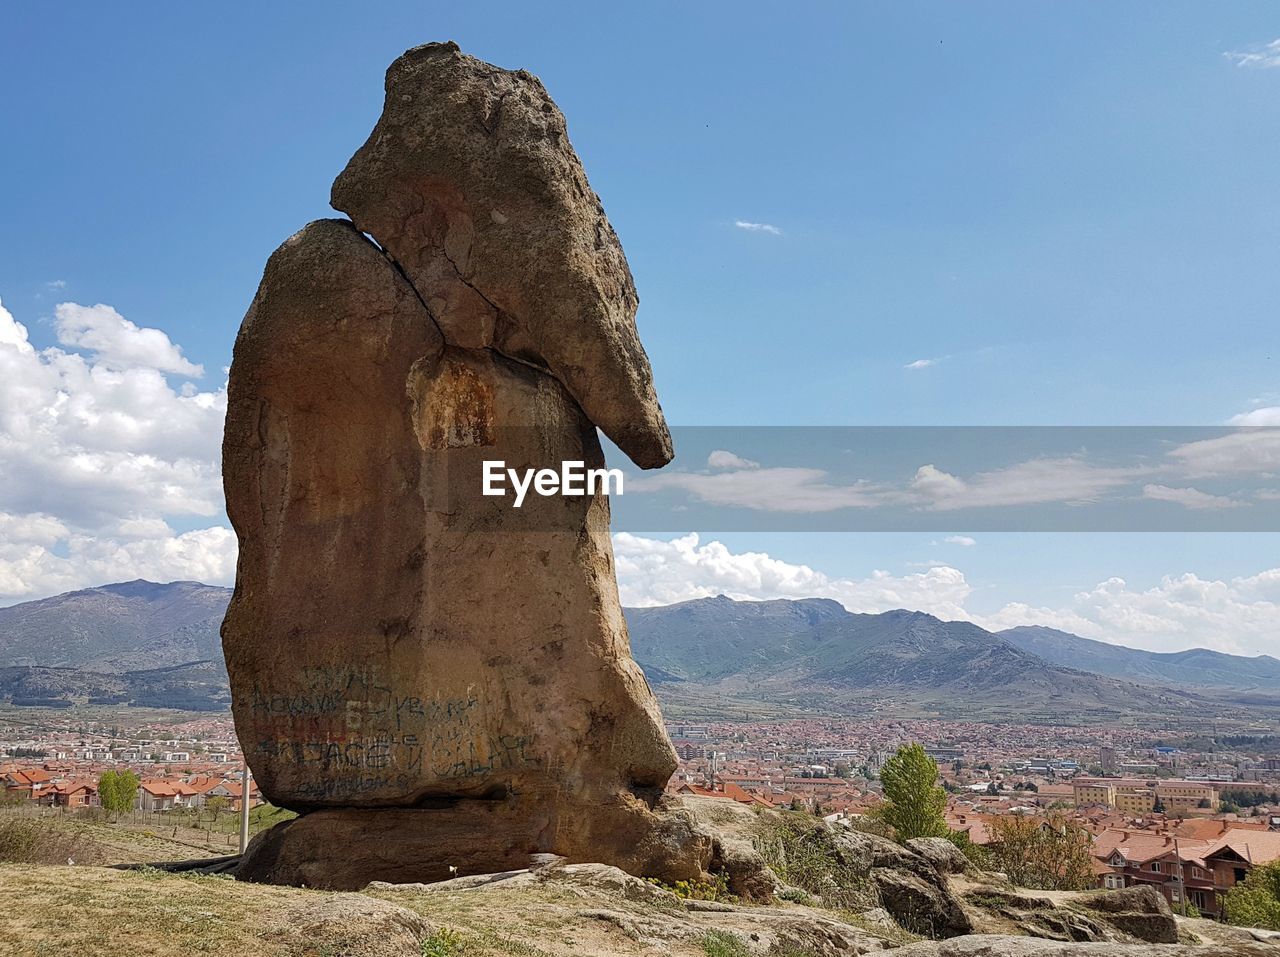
(811, 651)
(1197, 666)
(116, 628)
(152, 643)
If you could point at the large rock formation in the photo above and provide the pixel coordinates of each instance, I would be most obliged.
(439, 682)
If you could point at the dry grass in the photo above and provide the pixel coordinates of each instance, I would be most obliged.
(32, 841)
(50, 910)
(54, 909)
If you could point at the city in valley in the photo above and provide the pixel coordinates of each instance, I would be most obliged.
(1188, 811)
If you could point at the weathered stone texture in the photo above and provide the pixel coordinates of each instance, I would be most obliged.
(469, 181)
(409, 657)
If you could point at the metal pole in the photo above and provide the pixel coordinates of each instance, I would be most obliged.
(244, 808)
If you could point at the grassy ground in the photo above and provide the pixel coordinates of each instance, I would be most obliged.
(135, 838)
(50, 909)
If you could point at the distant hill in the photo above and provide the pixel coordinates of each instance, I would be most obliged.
(150, 643)
(714, 638)
(814, 647)
(1197, 667)
(116, 628)
(195, 686)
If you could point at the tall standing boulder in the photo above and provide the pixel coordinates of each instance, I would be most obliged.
(437, 681)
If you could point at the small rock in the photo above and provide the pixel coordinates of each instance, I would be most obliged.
(941, 853)
(1140, 912)
(358, 926)
(921, 906)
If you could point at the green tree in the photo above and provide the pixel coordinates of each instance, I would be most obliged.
(1046, 853)
(1255, 902)
(914, 803)
(216, 805)
(117, 791)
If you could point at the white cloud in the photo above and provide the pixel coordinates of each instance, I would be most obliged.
(116, 342)
(1255, 451)
(1067, 480)
(793, 490)
(1270, 415)
(720, 459)
(54, 285)
(40, 556)
(921, 364)
(654, 572)
(1237, 616)
(1191, 498)
(97, 452)
(1263, 57)
(758, 227)
(963, 540)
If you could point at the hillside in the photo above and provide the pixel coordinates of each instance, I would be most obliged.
(815, 648)
(158, 644)
(194, 686)
(115, 628)
(714, 638)
(1196, 667)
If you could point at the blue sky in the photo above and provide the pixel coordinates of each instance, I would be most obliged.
(1058, 214)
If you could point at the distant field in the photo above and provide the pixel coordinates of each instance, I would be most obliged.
(108, 714)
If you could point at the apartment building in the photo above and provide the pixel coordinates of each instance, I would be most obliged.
(1138, 796)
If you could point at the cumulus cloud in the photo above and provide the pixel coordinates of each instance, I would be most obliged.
(1191, 498)
(98, 452)
(116, 342)
(720, 459)
(1237, 616)
(963, 540)
(921, 364)
(655, 572)
(1268, 415)
(758, 227)
(1262, 57)
(39, 556)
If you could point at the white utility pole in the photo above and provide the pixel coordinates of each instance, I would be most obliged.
(244, 808)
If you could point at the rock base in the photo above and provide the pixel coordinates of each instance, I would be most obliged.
(347, 848)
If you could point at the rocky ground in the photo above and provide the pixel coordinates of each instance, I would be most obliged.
(564, 911)
(862, 895)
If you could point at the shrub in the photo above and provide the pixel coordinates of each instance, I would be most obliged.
(716, 889)
(1043, 853)
(31, 841)
(443, 943)
(1255, 902)
(803, 853)
(719, 943)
